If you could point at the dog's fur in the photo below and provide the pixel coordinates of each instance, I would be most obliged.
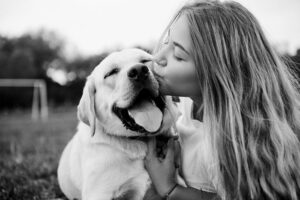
(102, 161)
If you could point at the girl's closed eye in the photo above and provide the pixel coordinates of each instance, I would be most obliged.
(178, 58)
(178, 55)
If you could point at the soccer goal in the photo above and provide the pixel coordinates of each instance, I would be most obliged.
(39, 95)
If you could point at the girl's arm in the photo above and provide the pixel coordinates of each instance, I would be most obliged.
(162, 174)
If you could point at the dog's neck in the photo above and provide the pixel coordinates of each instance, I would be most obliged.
(135, 148)
(138, 138)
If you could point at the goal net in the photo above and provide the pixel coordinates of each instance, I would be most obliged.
(39, 100)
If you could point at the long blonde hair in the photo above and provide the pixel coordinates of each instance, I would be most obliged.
(250, 99)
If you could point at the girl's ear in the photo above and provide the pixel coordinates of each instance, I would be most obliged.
(86, 108)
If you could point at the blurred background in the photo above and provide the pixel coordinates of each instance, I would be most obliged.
(48, 47)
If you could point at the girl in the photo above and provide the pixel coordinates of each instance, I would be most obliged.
(240, 123)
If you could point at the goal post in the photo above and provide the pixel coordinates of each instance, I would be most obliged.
(39, 95)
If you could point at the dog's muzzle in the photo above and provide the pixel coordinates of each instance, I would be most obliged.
(144, 112)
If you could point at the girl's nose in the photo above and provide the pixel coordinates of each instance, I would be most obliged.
(160, 60)
(161, 56)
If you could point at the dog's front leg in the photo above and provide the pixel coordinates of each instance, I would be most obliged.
(135, 188)
(96, 186)
(95, 191)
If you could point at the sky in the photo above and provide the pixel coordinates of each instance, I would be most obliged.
(93, 26)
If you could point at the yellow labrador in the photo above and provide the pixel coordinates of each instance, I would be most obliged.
(119, 105)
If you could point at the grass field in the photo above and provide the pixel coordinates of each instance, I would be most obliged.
(30, 151)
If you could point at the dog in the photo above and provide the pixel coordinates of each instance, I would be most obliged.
(119, 108)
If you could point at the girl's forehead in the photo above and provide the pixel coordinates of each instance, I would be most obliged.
(179, 26)
(171, 26)
(179, 31)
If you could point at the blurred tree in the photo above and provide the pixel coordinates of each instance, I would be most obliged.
(28, 55)
(20, 64)
(6, 48)
(295, 65)
(82, 67)
(296, 57)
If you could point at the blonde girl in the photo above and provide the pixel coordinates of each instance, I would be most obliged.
(240, 122)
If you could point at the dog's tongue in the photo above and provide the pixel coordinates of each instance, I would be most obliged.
(146, 115)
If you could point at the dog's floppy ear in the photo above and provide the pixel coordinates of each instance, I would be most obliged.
(86, 108)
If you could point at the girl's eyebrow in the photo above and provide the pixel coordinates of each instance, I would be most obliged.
(181, 47)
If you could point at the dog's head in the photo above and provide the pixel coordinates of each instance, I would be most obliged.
(122, 96)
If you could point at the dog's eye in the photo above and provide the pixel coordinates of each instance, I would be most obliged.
(112, 72)
(144, 61)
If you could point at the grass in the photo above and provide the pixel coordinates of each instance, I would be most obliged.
(30, 151)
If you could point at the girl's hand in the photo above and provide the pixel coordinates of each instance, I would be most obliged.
(161, 171)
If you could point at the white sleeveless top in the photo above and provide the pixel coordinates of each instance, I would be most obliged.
(198, 166)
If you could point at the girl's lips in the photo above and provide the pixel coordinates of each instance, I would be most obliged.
(156, 69)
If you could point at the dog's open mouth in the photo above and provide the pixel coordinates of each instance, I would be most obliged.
(144, 115)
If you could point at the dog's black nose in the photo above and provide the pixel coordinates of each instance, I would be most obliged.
(138, 73)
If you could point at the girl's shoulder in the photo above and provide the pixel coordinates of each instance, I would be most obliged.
(199, 167)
